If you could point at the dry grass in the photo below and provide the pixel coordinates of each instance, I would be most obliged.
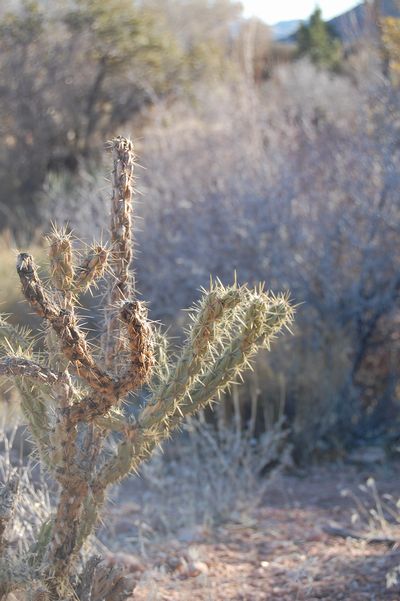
(277, 551)
(209, 476)
(34, 499)
(376, 516)
(202, 525)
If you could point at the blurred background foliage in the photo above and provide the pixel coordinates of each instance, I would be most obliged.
(277, 159)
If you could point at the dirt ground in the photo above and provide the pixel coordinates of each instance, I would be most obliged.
(279, 551)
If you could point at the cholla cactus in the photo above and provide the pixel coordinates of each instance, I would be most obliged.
(72, 394)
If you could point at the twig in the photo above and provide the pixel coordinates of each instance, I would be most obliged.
(348, 533)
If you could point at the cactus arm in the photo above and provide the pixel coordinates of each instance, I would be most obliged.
(18, 366)
(33, 289)
(33, 405)
(139, 365)
(214, 308)
(61, 264)
(91, 268)
(32, 389)
(121, 218)
(140, 340)
(121, 284)
(263, 320)
(73, 341)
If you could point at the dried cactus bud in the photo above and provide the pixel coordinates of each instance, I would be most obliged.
(140, 340)
(32, 287)
(92, 268)
(61, 259)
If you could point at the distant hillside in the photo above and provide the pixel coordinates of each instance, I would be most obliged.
(351, 24)
(348, 26)
(285, 29)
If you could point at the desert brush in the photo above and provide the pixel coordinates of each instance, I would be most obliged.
(74, 392)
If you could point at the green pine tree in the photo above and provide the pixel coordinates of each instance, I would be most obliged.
(317, 41)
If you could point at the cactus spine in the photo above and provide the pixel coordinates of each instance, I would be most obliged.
(71, 395)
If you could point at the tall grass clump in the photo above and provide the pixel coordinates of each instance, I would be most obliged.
(73, 392)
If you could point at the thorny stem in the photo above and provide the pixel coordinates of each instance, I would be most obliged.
(121, 284)
(72, 339)
(18, 366)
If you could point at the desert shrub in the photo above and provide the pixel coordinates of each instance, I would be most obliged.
(222, 472)
(34, 500)
(84, 69)
(295, 183)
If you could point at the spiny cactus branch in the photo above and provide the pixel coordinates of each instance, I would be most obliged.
(121, 218)
(141, 355)
(18, 366)
(72, 339)
(61, 262)
(121, 282)
(216, 305)
(263, 318)
(140, 361)
(92, 268)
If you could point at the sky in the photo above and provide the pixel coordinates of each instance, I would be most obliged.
(272, 11)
